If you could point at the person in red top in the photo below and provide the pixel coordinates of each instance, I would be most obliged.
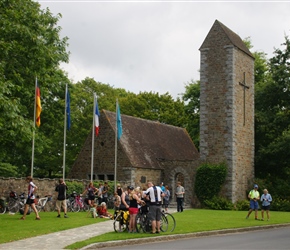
(30, 199)
(103, 212)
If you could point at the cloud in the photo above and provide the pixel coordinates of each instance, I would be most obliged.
(147, 46)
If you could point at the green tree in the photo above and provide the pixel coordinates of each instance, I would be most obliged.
(192, 99)
(272, 118)
(30, 46)
(153, 106)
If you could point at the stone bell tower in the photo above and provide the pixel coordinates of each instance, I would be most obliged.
(227, 107)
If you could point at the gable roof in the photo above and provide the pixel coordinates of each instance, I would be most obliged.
(233, 38)
(146, 142)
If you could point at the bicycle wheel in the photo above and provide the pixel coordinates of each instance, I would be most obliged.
(2, 209)
(119, 225)
(142, 225)
(75, 207)
(170, 221)
(68, 206)
(146, 223)
(163, 223)
(86, 207)
(13, 206)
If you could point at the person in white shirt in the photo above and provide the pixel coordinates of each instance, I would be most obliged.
(154, 194)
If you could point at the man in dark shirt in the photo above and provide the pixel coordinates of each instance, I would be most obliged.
(61, 189)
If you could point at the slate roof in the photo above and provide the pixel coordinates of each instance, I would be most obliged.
(232, 36)
(146, 142)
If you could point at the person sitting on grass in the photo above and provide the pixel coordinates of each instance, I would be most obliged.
(103, 212)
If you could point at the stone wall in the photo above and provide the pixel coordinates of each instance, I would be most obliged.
(19, 185)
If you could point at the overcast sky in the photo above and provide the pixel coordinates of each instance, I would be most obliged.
(154, 45)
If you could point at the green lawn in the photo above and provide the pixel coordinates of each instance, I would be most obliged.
(193, 220)
(197, 220)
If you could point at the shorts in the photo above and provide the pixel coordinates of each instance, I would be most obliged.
(154, 212)
(60, 204)
(266, 207)
(30, 201)
(133, 210)
(254, 204)
(91, 197)
(165, 203)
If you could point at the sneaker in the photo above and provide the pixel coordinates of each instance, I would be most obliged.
(58, 216)
(37, 218)
(65, 216)
(22, 218)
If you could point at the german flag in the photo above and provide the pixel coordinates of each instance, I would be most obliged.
(38, 105)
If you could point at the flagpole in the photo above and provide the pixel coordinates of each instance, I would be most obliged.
(93, 138)
(33, 134)
(116, 144)
(64, 133)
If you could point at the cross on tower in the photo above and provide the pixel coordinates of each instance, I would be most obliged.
(243, 84)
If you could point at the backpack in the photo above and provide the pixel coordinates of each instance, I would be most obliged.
(13, 195)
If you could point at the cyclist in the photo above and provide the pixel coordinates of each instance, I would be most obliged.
(91, 190)
(125, 200)
(30, 198)
(133, 207)
(154, 193)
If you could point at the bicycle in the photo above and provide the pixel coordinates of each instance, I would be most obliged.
(16, 203)
(42, 202)
(143, 223)
(110, 202)
(121, 222)
(2, 205)
(83, 205)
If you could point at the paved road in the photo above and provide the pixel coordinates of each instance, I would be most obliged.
(262, 239)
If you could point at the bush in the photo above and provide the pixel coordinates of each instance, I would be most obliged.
(280, 205)
(242, 205)
(209, 180)
(74, 186)
(219, 203)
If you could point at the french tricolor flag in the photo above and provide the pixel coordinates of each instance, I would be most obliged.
(97, 116)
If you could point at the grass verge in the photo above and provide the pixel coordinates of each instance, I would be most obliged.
(196, 220)
(190, 221)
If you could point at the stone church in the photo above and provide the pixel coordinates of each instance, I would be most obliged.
(147, 150)
(158, 152)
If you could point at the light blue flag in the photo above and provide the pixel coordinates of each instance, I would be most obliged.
(119, 123)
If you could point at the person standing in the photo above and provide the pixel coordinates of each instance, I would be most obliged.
(133, 208)
(91, 190)
(179, 196)
(30, 199)
(105, 192)
(61, 189)
(166, 198)
(154, 194)
(266, 199)
(100, 193)
(254, 196)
